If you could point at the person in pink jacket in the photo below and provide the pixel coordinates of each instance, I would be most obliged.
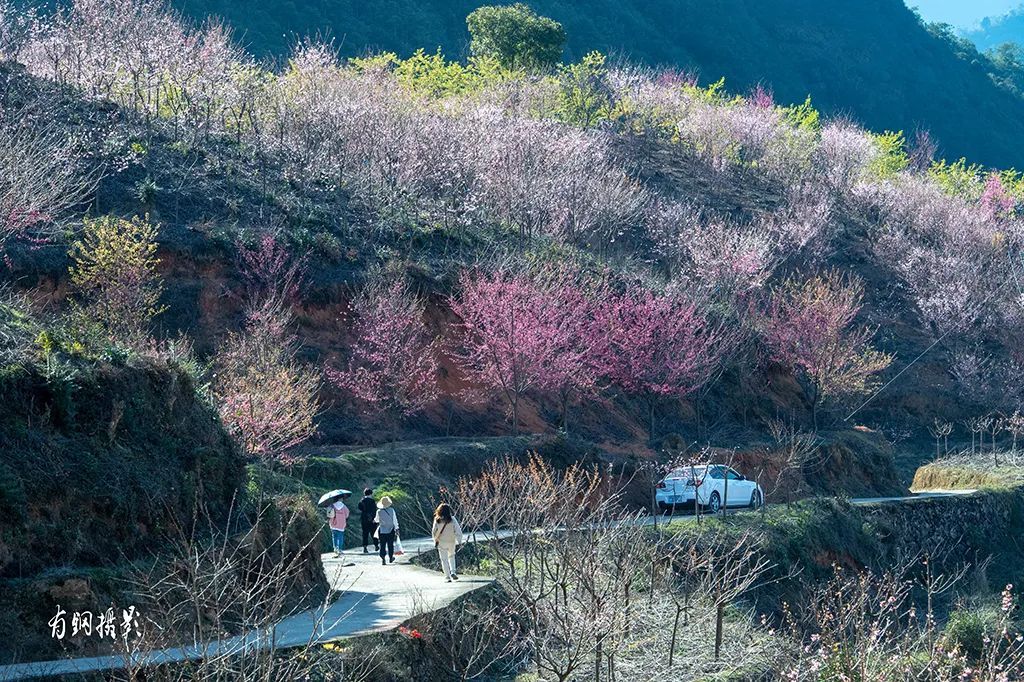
(447, 537)
(338, 516)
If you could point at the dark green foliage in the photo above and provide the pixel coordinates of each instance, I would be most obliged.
(1008, 63)
(1004, 62)
(100, 465)
(286, 530)
(806, 538)
(27, 604)
(516, 36)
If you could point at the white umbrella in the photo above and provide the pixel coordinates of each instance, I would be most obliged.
(332, 497)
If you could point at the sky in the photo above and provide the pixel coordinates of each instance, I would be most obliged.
(962, 13)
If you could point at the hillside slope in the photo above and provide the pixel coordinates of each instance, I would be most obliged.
(671, 190)
(387, 272)
(871, 60)
(97, 470)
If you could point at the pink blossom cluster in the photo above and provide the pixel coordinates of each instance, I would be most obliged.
(952, 254)
(521, 332)
(995, 200)
(551, 332)
(393, 362)
(270, 270)
(809, 326)
(267, 397)
(718, 193)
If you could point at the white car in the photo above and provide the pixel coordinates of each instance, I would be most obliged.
(712, 485)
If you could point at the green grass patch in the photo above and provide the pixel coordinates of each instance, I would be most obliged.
(809, 537)
(968, 627)
(966, 472)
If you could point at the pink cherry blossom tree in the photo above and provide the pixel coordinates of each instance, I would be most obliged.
(996, 202)
(522, 332)
(950, 253)
(268, 398)
(662, 345)
(761, 98)
(270, 270)
(393, 363)
(572, 368)
(809, 328)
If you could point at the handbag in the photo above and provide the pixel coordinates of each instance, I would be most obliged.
(437, 543)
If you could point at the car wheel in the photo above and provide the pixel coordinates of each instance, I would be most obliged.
(755, 500)
(715, 503)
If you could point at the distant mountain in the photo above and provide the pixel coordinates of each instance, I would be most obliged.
(872, 59)
(995, 31)
(960, 13)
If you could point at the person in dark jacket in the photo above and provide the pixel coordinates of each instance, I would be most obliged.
(367, 511)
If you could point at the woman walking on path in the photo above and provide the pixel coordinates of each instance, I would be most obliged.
(447, 536)
(339, 519)
(387, 528)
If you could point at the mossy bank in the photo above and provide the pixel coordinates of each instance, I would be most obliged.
(98, 464)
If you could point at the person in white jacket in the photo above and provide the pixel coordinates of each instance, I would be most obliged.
(447, 536)
(387, 529)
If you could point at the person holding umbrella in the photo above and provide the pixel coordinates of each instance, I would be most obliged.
(337, 516)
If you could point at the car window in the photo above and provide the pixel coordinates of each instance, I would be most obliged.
(733, 476)
(687, 472)
(716, 473)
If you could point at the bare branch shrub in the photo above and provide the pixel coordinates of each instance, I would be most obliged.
(868, 627)
(477, 637)
(587, 575)
(219, 599)
(784, 465)
(41, 175)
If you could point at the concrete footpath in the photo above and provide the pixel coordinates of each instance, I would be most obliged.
(372, 598)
